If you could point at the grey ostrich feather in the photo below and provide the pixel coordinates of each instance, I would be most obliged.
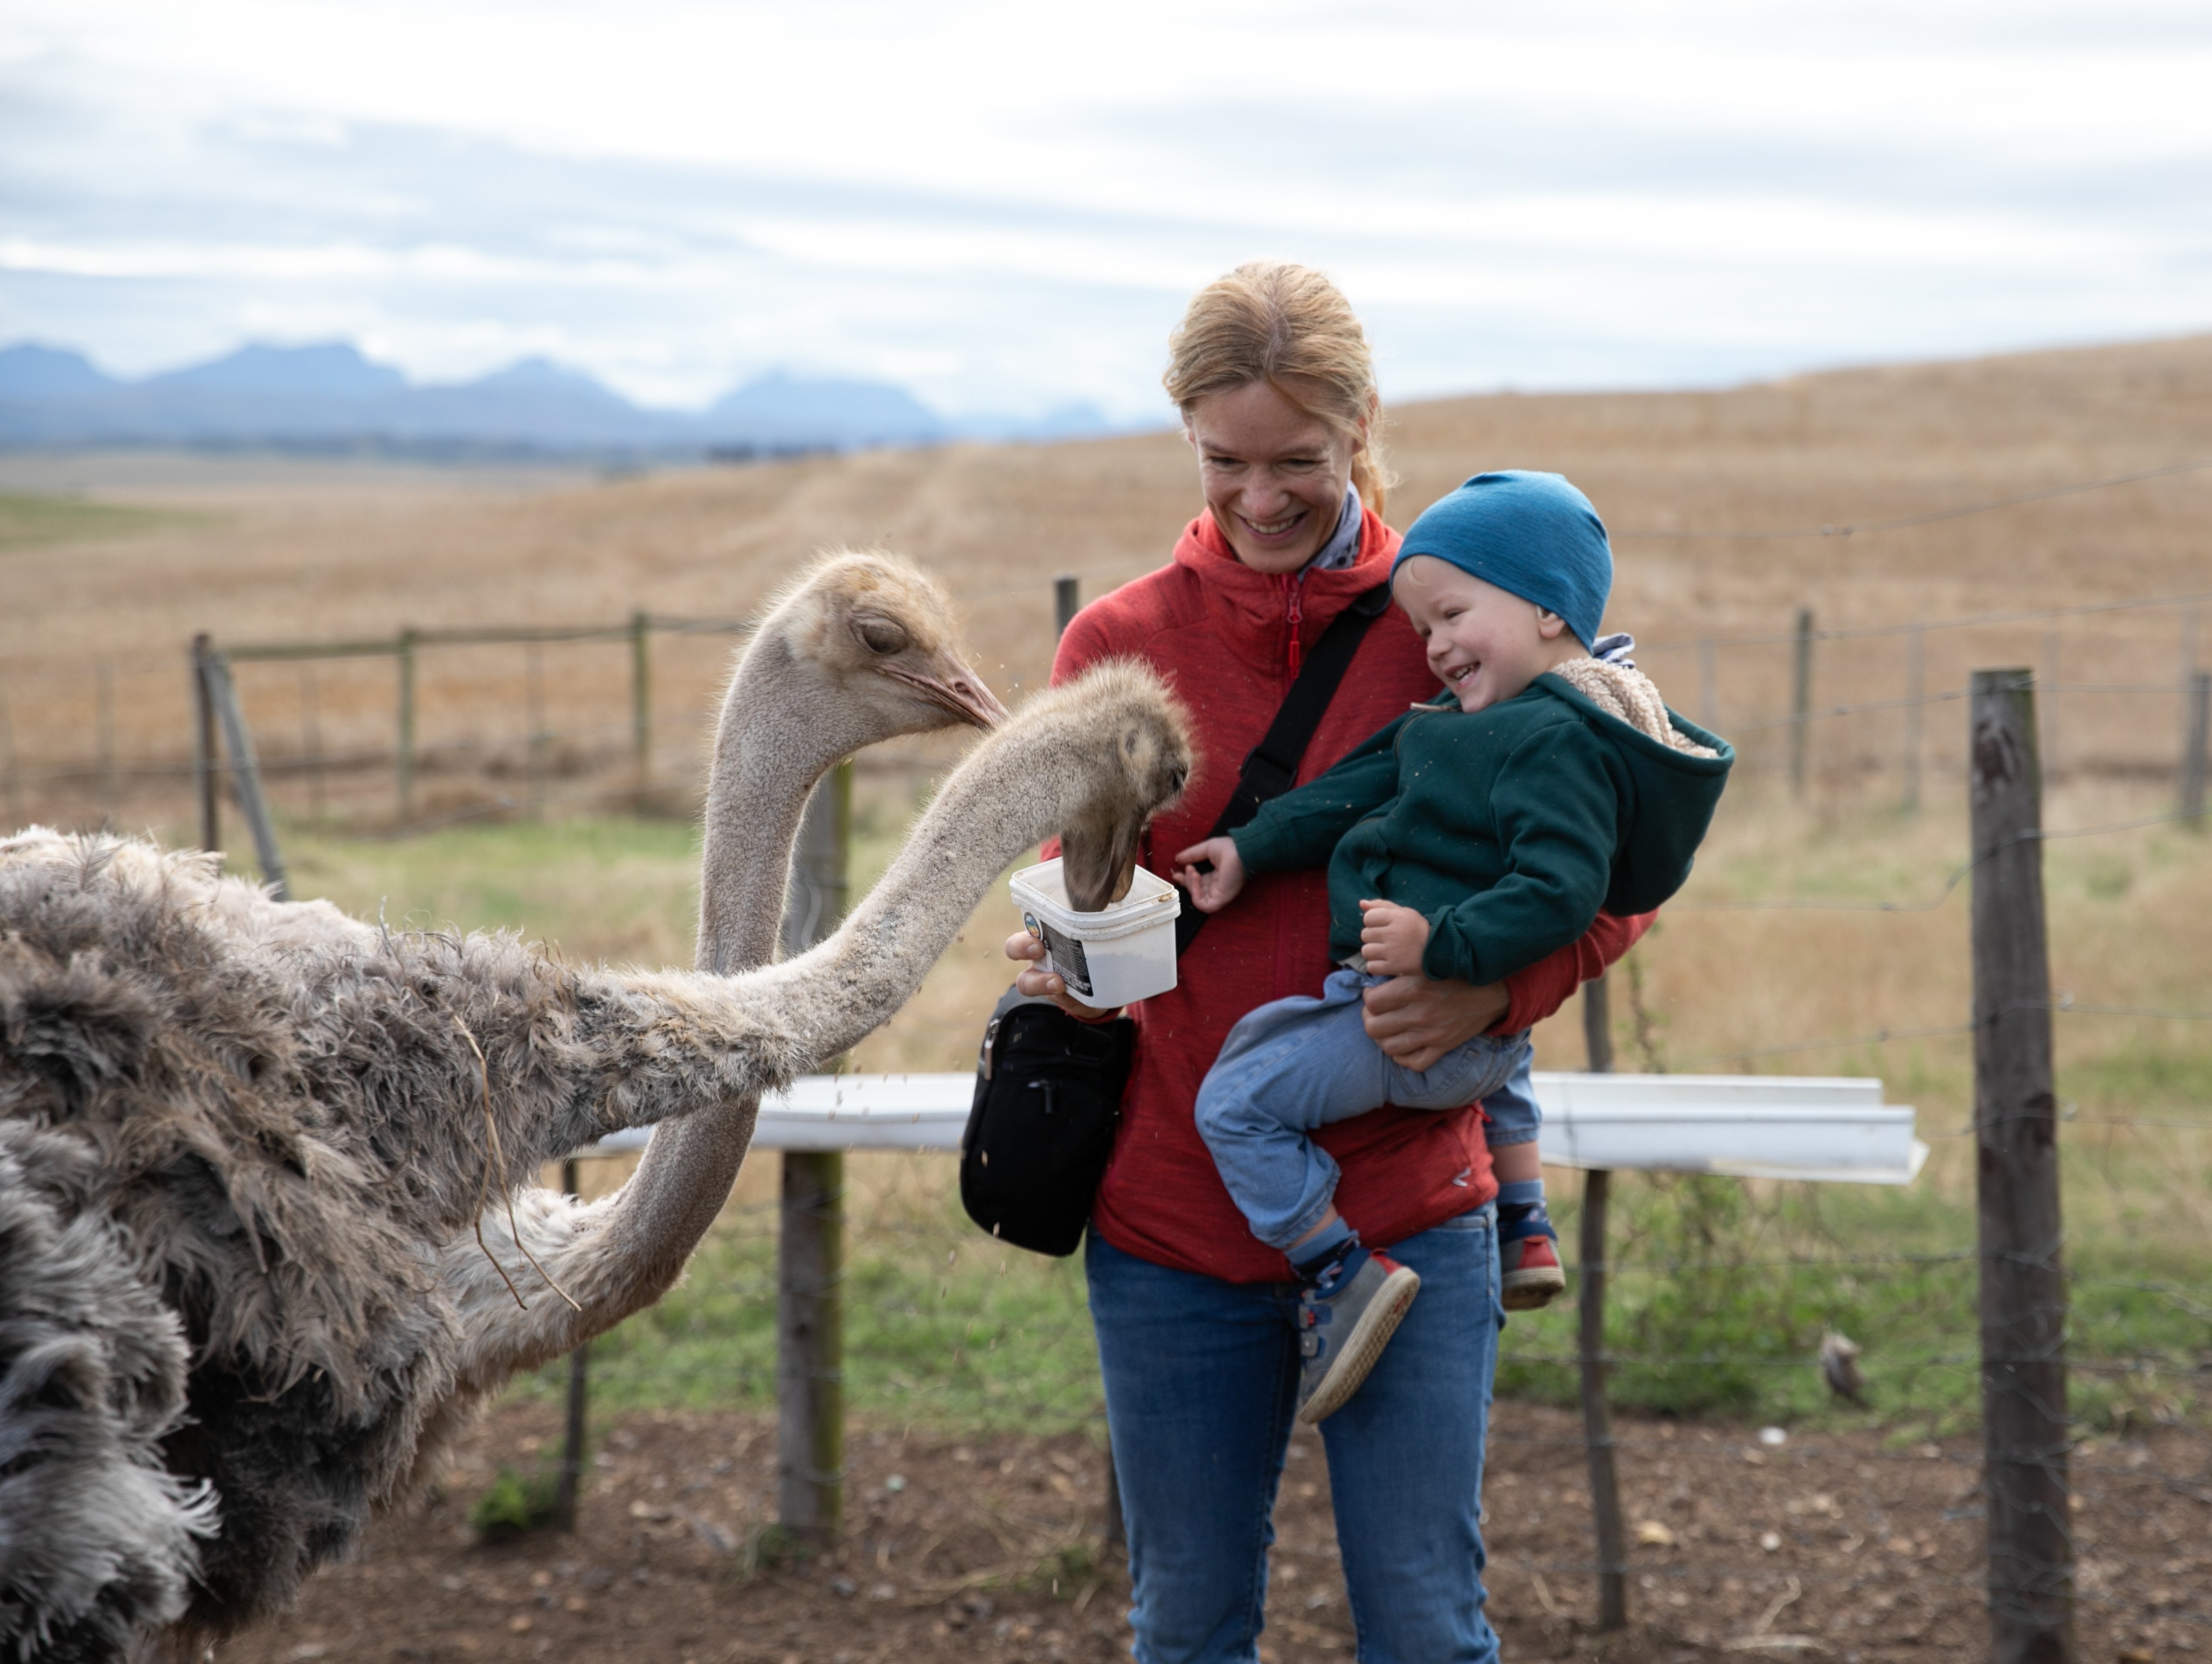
(239, 1157)
(242, 1145)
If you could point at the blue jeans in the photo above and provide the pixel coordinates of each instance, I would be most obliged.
(1509, 1111)
(1202, 1380)
(1298, 1063)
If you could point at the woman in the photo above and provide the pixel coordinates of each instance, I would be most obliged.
(1196, 1319)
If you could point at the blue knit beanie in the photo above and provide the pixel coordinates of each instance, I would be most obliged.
(1533, 535)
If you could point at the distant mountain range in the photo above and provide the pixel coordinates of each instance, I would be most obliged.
(329, 397)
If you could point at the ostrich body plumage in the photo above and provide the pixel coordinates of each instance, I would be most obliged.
(243, 1146)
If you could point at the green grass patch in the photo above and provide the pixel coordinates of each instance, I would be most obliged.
(1722, 1289)
(29, 521)
(943, 1329)
(2167, 1081)
(1721, 1292)
(611, 887)
(516, 1504)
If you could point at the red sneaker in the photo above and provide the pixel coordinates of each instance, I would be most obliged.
(1533, 1276)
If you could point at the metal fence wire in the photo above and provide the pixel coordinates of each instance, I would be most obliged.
(1843, 1418)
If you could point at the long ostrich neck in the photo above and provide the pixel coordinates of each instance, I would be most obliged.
(774, 741)
(779, 733)
(759, 1029)
(777, 736)
(723, 1039)
(1004, 799)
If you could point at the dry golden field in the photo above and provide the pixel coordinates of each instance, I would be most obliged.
(1824, 932)
(258, 549)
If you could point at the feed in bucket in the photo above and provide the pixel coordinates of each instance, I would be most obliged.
(1123, 953)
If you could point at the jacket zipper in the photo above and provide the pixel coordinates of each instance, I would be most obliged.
(1294, 612)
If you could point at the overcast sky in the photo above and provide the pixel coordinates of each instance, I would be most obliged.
(1004, 205)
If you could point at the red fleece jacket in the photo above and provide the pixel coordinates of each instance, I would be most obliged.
(1229, 640)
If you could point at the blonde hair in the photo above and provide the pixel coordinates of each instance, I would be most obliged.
(1290, 327)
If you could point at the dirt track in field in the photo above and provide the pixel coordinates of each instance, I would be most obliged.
(954, 1548)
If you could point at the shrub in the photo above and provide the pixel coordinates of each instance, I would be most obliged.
(517, 1504)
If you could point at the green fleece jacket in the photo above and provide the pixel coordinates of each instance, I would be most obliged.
(1508, 827)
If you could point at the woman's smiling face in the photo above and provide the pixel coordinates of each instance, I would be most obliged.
(1274, 476)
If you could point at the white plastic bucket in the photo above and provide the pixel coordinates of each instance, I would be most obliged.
(1126, 952)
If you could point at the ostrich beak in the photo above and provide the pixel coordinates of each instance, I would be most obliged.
(958, 689)
(1098, 868)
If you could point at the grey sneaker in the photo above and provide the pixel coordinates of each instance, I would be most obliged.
(1345, 1319)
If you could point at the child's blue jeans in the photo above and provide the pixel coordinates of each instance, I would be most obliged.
(1298, 1063)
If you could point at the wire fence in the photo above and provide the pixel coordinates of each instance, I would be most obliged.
(472, 718)
(1803, 1375)
(495, 726)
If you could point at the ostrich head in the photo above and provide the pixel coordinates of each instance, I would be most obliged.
(880, 631)
(858, 648)
(1151, 760)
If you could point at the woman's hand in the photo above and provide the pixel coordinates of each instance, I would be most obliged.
(1210, 892)
(1416, 1021)
(1392, 939)
(1037, 982)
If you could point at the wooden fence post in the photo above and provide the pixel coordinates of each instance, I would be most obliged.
(570, 1482)
(404, 763)
(641, 699)
(203, 745)
(2198, 734)
(245, 773)
(1709, 689)
(811, 1244)
(2026, 1428)
(1597, 1414)
(1801, 702)
(1916, 692)
(1066, 602)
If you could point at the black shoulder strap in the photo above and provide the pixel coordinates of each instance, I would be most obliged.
(1271, 766)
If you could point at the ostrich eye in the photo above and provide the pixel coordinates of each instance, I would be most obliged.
(880, 635)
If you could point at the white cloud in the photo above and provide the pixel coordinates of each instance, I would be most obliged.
(1005, 202)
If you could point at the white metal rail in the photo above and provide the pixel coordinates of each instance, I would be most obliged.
(1764, 1126)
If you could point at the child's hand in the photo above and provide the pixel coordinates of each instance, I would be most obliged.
(1392, 939)
(1210, 892)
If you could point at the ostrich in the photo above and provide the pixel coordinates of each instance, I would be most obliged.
(231, 1165)
(848, 658)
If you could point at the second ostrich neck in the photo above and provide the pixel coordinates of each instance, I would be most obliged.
(778, 736)
(780, 731)
(618, 1254)
(1000, 802)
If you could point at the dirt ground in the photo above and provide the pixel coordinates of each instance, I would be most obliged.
(1833, 1545)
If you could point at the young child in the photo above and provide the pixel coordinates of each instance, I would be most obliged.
(1467, 839)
